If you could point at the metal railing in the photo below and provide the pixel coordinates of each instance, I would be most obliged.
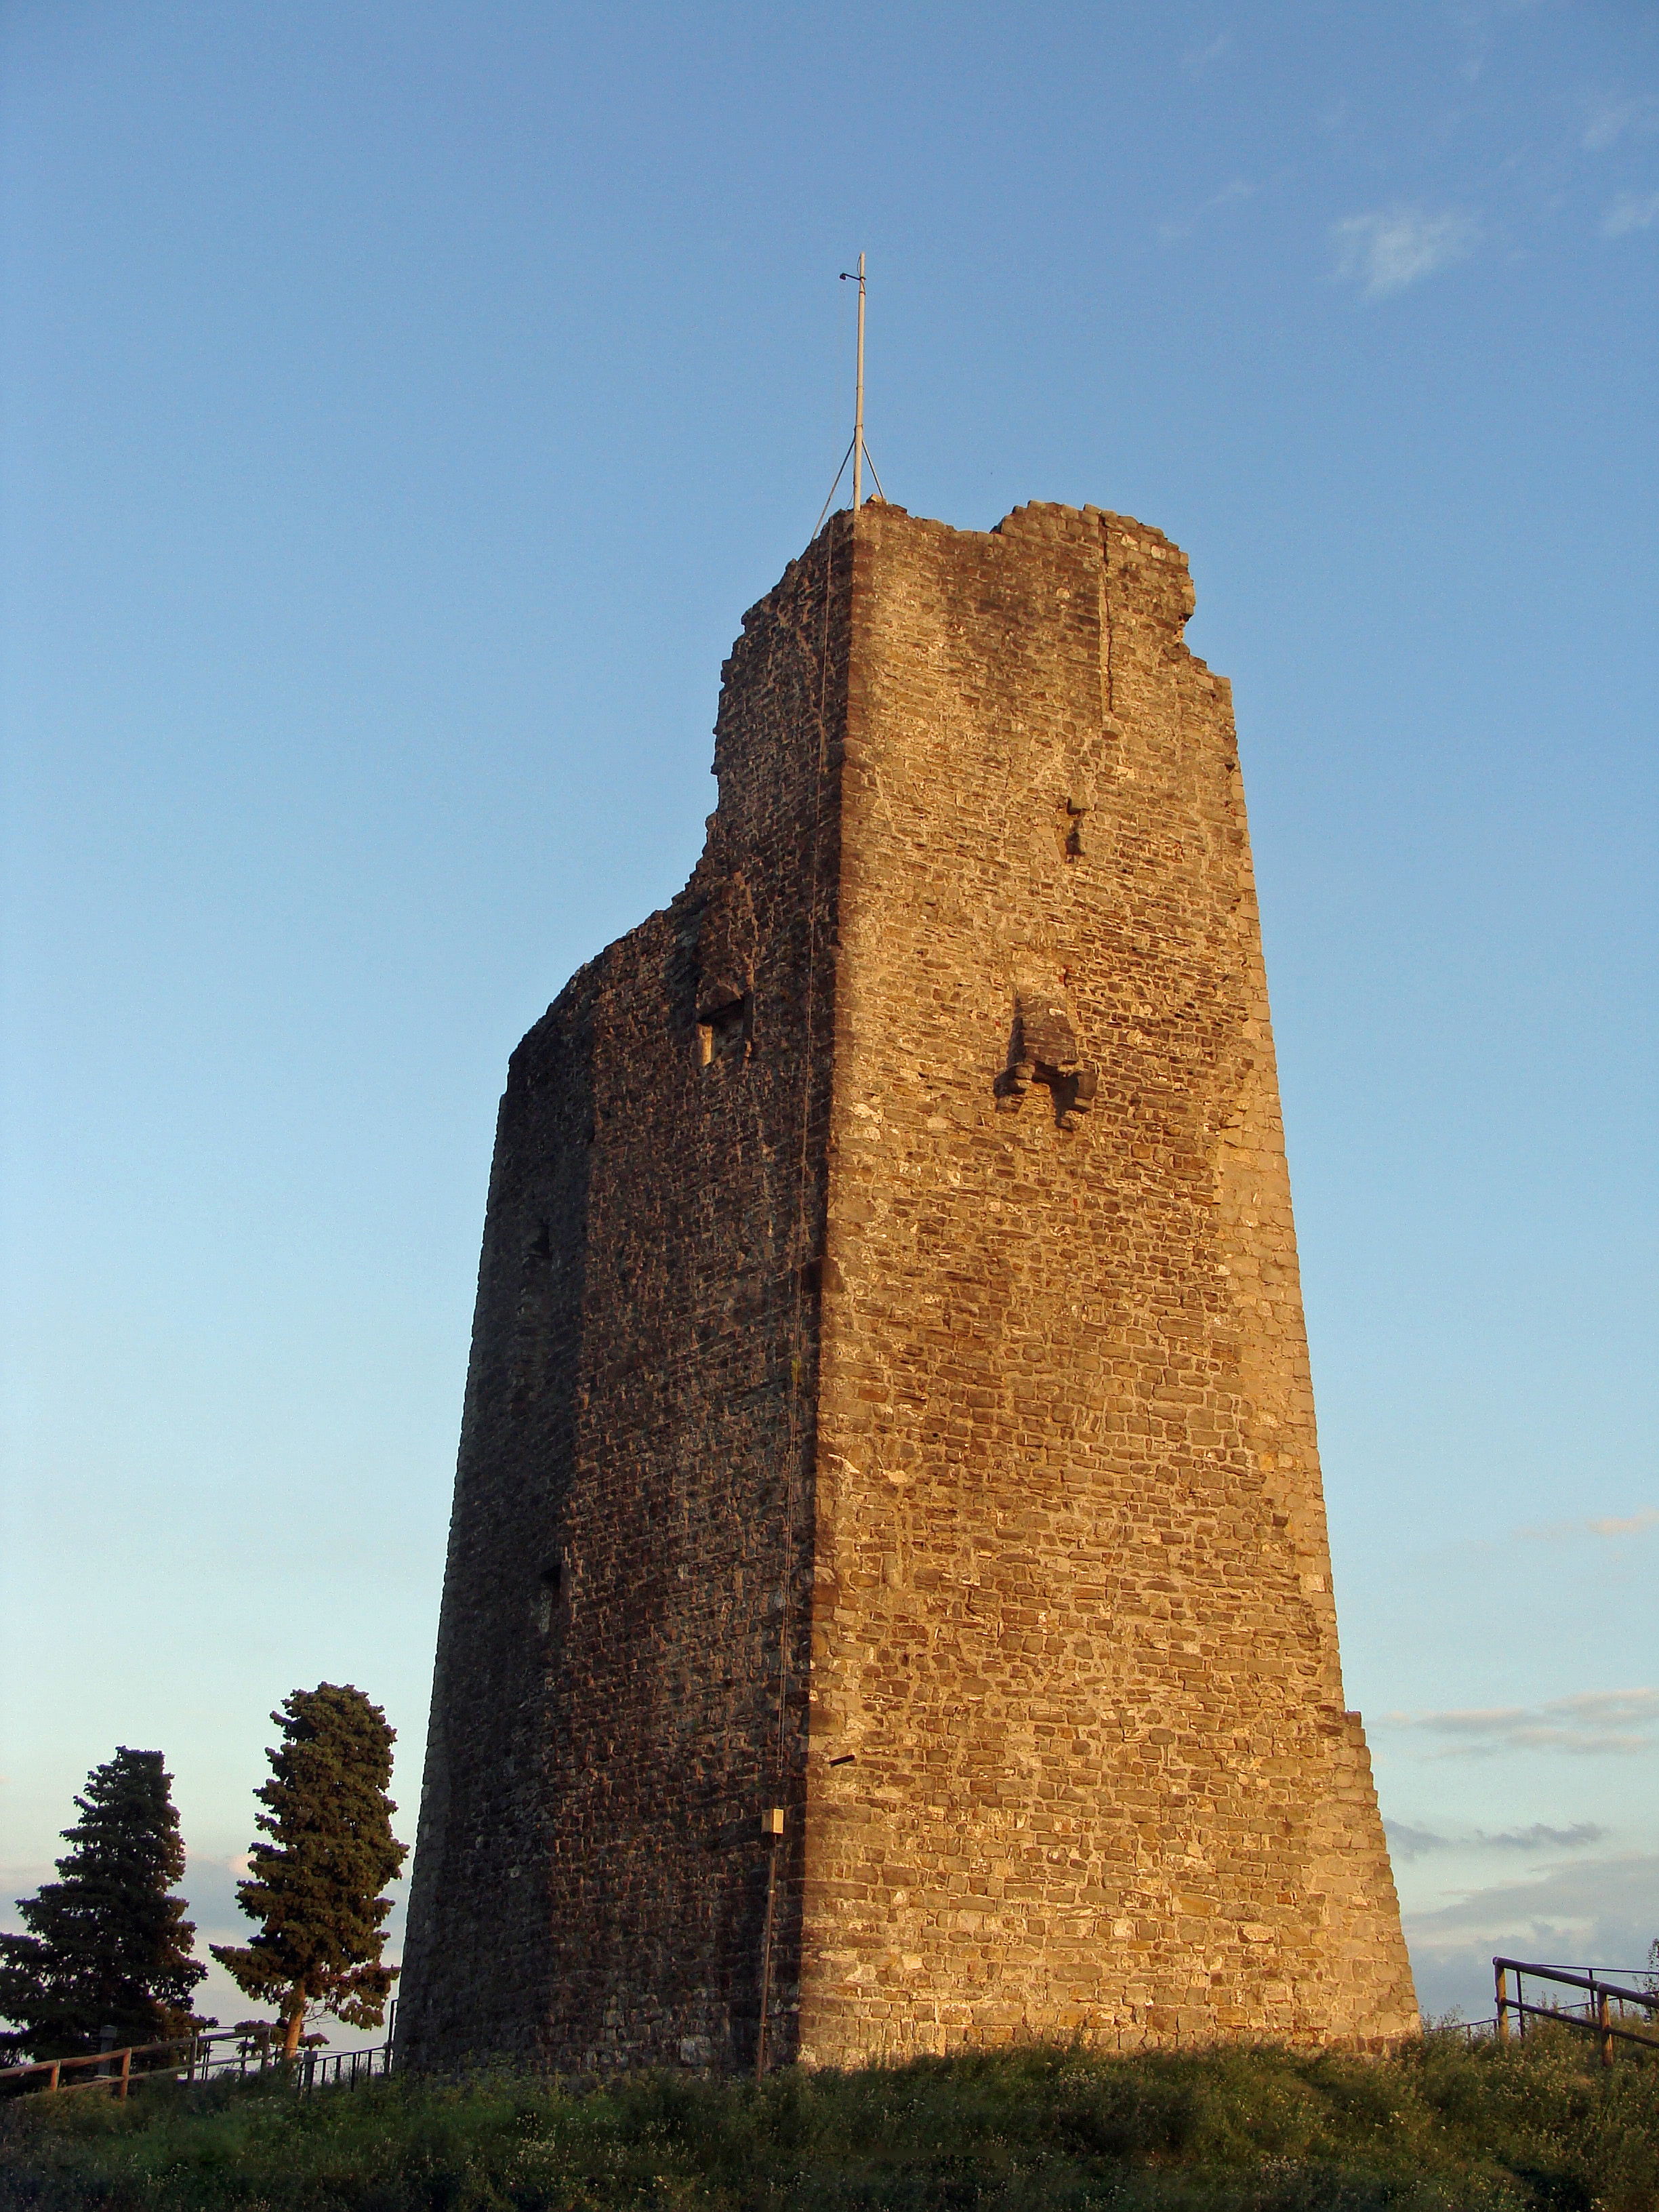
(215, 2054)
(209, 2054)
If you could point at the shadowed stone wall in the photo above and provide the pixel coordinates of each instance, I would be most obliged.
(889, 1395)
(622, 1668)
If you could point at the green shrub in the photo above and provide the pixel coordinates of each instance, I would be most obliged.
(1435, 2128)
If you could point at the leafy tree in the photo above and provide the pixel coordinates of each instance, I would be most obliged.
(314, 1885)
(107, 1945)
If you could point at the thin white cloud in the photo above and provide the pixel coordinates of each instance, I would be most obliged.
(1201, 57)
(1626, 214)
(1627, 1524)
(1239, 189)
(1609, 1525)
(1610, 120)
(1478, 19)
(1582, 1908)
(1405, 1842)
(1385, 251)
(1598, 1911)
(20, 1878)
(1622, 1721)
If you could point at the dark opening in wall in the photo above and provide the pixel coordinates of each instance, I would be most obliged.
(533, 1323)
(551, 1594)
(728, 1031)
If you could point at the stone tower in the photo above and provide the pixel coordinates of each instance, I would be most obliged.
(888, 1399)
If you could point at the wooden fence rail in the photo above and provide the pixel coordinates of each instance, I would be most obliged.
(201, 2058)
(1596, 2010)
(111, 2075)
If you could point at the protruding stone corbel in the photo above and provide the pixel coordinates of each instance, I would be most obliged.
(1043, 1049)
(1079, 805)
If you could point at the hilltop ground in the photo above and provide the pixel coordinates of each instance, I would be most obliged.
(1437, 2128)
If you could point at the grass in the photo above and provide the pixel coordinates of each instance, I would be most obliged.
(1435, 2129)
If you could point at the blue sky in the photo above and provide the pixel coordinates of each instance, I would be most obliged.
(401, 406)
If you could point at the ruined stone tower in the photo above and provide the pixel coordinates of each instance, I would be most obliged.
(888, 1399)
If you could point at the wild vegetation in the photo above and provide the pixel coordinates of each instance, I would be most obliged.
(1435, 2128)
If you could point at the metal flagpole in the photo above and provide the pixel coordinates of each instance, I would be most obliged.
(858, 408)
(856, 449)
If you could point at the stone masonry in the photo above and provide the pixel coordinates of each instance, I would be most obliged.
(889, 1400)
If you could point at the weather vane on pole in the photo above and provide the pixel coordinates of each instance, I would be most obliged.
(856, 451)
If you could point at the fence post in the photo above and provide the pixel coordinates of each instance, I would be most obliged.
(1605, 2025)
(1501, 1982)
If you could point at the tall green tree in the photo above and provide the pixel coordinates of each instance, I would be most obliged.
(107, 1945)
(314, 1883)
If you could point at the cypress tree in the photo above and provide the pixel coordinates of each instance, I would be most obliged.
(107, 1945)
(314, 1886)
